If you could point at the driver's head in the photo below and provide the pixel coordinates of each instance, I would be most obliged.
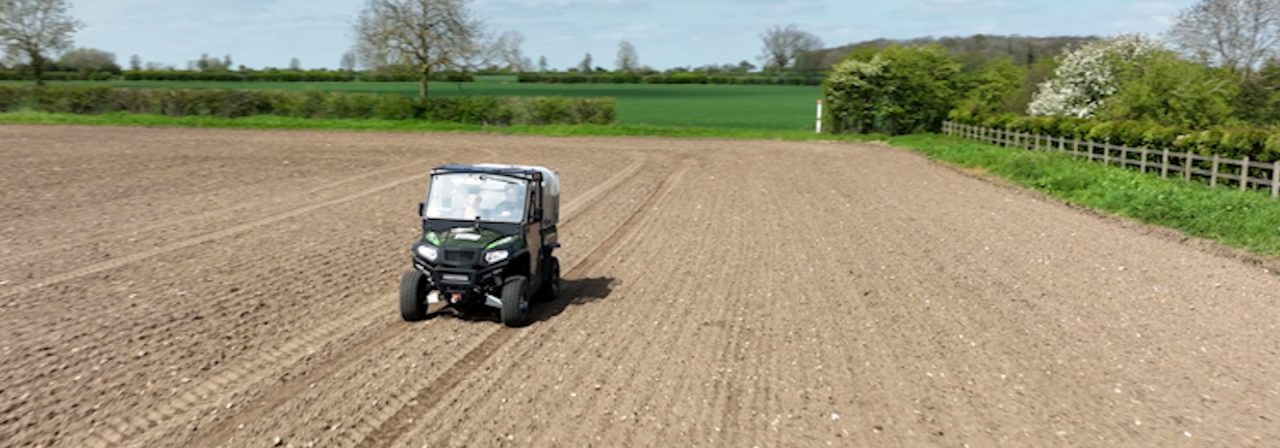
(472, 196)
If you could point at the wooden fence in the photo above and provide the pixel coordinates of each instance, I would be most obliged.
(1214, 170)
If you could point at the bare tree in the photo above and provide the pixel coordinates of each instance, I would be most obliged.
(628, 59)
(32, 28)
(135, 63)
(542, 64)
(295, 64)
(428, 35)
(348, 62)
(783, 45)
(1240, 34)
(585, 65)
(505, 51)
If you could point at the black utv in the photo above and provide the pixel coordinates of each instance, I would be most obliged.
(488, 239)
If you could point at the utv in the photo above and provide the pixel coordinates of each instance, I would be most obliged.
(488, 237)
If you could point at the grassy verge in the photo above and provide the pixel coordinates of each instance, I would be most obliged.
(276, 122)
(1247, 220)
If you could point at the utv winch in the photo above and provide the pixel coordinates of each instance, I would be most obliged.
(488, 237)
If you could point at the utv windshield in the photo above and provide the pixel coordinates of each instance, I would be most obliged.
(465, 196)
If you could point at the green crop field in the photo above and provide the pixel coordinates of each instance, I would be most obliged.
(695, 105)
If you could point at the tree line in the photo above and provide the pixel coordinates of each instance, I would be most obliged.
(394, 40)
(1217, 66)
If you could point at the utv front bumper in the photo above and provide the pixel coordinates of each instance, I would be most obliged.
(458, 283)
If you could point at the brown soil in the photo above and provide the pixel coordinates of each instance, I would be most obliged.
(177, 287)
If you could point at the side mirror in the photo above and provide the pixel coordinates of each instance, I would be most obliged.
(422, 207)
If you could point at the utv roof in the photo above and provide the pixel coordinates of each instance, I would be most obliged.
(490, 168)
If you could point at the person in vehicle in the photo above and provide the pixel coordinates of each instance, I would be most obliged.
(471, 205)
(510, 206)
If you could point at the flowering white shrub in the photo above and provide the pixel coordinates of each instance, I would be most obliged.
(1088, 75)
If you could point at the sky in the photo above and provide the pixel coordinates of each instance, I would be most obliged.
(262, 33)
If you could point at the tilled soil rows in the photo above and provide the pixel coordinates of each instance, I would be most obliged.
(179, 287)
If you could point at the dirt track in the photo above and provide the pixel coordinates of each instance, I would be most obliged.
(225, 288)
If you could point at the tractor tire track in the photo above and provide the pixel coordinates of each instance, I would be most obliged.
(428, 397)
(238, 378)
(212, 236)
(205, 216)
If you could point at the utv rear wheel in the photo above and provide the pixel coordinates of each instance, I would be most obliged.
(413, 289)
(515, 302)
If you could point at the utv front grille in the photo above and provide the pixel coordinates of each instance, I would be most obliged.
(459, 256)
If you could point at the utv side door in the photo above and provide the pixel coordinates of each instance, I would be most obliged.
(533, 234)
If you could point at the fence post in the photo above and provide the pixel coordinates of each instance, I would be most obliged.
(1244, 174)
(1186, 166)
(1213, 177)
(1143, 164)
(1075, 148)
(1164, 164)
(1275, 179)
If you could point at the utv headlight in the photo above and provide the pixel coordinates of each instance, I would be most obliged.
(495, 256)
(427, 252)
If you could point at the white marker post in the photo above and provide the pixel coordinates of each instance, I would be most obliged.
(817, 128)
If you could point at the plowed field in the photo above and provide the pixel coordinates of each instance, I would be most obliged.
(193, 288)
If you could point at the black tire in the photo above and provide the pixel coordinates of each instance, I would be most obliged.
(551, 290)
(413, 290)
(515, 301)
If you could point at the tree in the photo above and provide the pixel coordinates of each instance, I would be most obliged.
(295, 64)
(628, 59)
(746, 66)
(505, 51)
(585, 65)
(226, 62)
(1161, 87)
(992, 87)
(89, 60)
(208, 63)
(429, 35)
(1259, 99)
(348, 61)
(783, 45)
(542, 64)
(135, 63)
(32, 28)
(1238, 34)
(1088, 76)
(896, 90)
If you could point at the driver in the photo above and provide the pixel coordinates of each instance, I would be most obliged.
(471, 204)
(510, 205)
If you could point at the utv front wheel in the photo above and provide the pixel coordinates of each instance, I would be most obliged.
(515, 302)
(413, 288)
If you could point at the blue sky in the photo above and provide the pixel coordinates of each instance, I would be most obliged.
(666, 33)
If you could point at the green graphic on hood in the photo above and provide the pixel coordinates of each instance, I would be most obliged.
(468, 238)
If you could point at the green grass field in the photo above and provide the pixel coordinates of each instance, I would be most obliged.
(683, 105)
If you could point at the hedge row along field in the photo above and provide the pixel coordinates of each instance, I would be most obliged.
(285, 76)
(1260, 144)
(489, 111)
(670, 78)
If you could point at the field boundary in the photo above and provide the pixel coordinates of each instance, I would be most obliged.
(1164, 161)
